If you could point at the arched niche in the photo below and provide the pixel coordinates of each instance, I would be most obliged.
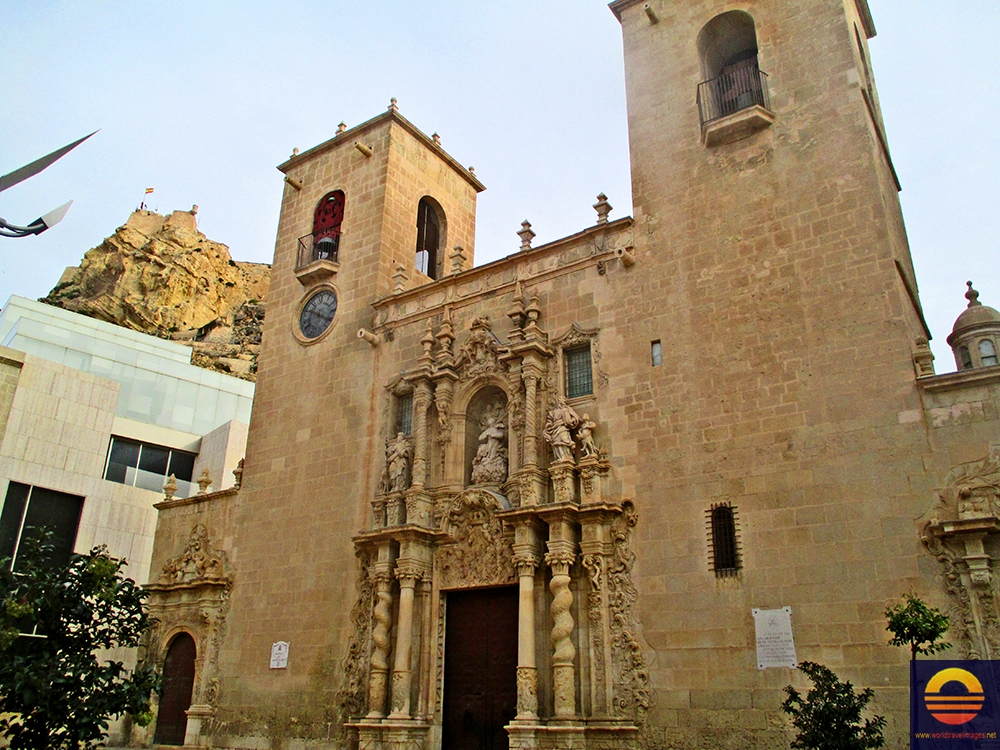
(727, 41)
(486, 437)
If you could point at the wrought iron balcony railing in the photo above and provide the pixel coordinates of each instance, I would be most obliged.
(311, 250)
(738, 89)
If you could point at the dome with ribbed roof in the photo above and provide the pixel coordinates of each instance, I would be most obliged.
(975, 337)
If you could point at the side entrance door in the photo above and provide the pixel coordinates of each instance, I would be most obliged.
(178, 681)
(480, 668)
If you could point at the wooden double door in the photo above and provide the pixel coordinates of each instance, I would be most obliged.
(480, 668)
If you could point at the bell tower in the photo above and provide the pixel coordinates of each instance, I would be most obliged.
(374, 211)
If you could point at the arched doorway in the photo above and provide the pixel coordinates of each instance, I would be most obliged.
(178, 681)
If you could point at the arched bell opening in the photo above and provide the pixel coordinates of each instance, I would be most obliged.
(178, 685)
(486, 438)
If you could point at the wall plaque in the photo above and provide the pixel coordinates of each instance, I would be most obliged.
(279, 655)
(775, 644)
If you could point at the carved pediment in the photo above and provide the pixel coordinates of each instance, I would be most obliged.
(971, 490)
(480, 354)
(479, 552)
(574, 336)
(199, 563)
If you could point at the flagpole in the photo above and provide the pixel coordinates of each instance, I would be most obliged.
(142, 203)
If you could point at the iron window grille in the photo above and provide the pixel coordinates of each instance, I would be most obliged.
(723, 540)
(579, 373)
(404, 414)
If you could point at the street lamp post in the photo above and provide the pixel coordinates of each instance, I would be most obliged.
(54, 216)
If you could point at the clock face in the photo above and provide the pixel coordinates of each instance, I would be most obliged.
(317, 313)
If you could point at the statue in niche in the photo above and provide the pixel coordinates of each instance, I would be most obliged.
(490, 464)
(585, 436)
(558, 425)
(397, 461)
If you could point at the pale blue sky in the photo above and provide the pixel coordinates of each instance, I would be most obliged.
(202, 100)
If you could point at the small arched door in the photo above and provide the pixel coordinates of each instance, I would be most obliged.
(178, 682)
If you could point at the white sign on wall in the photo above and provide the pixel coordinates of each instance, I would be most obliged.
(775, 643)
(279, 655)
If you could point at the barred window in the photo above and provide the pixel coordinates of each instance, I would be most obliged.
(404, 414)
(723, 541)
(579, 377)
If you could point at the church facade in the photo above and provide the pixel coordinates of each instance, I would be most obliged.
(537, 503)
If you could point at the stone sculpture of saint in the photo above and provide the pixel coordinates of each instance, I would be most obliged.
(585, 436)
(558, 426)
(490, 464)
(397, 459)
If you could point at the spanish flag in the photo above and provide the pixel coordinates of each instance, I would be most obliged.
(149, 190)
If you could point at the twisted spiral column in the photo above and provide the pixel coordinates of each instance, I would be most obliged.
(559, 559)
(382, 614)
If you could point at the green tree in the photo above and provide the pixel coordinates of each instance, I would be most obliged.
(54, 691)
(829, 716)
(918, 626)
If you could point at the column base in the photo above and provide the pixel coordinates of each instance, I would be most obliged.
(390, 734)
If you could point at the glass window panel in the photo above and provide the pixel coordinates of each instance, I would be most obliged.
(124, 455)
(579, 379)
(10, 518)
(181, 465)
(987, 353)
(59, 512)
(154, 459)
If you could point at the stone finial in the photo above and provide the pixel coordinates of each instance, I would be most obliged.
(393, 105)
(427, 342)
(342, 127)
(525, 234)
(472, 170)
(436, 138)
(204, 481)
(516, 312)
(194, 210)
(399, 279)
(458, 259)
(972, 295)
(170, 488)
(603, 208)
(238, 473)
(923, 358)
(295, 152)
(445, 334)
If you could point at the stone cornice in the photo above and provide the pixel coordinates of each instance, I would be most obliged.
(448, 283)
(390, 116)
(963, 379)
(195, 499)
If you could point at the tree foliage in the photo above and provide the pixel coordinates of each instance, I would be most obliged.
(918, 626)
(829, 716)
(54, 691)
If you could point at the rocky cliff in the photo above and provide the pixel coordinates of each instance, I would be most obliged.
(161, 276)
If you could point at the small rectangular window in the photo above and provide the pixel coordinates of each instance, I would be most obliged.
(404, 414)
(579, 377)
(723, 540)
(656, 351)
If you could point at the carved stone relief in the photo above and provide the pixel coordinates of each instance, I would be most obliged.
(632, 693)
(963, 534)
(481, 554)
(351, 699)
(490, 463)
(480, 353)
